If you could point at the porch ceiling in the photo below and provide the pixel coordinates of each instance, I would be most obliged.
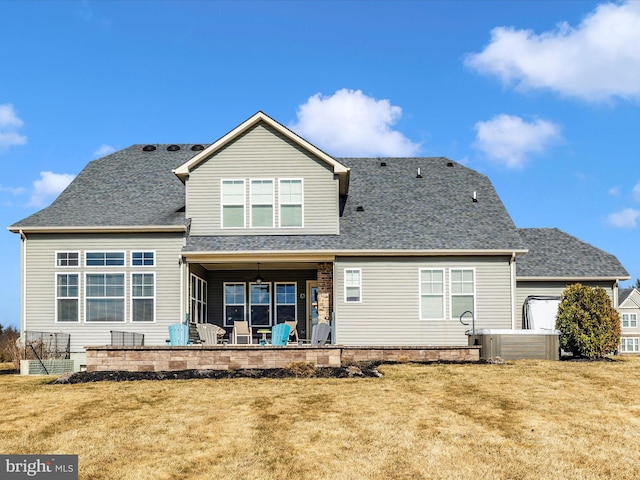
(263, 266)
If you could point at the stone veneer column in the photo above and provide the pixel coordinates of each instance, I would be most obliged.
(325, 291)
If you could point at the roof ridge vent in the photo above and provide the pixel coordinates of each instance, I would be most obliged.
(148, 148)
(383, 164)
(449, 164)
(173, 148)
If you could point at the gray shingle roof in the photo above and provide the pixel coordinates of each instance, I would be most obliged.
(130, 187)
(623, 294)
(554, 253)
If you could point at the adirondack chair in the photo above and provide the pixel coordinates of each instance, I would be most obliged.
(209, 333)
(178, 334)
(293, 325)
(280, 334)
(241, 330)
(320, 333)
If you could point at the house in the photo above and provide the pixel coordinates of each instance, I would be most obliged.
(264, 226)
(629, 310)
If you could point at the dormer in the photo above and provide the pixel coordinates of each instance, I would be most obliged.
(263, 179)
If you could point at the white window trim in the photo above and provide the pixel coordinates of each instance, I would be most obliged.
(55, 259)
(444, 292)
(629, 315)
(244, 202)
(275, 300)
(132, 298)
(225, 304)
(124, 298)
(249, 305)
(280, 203)
(359, 270)
(143, 252)
(451, 294)
(251, 204)
(124, 258)
(623, 345)
(55, 277)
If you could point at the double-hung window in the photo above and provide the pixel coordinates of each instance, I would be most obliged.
(104, 294)
(67, 297)
(629, 320)
(629, 345)
(462, 291)
(431, 294)
(143, 287)
(353, 285)
(285, 302)
(234, 302)
(233, 199)
(291, 200)
(262, 203)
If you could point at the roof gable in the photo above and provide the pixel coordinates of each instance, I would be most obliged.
(629, 298)
(184, 170)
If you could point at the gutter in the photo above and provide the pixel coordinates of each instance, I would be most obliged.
(102, 229)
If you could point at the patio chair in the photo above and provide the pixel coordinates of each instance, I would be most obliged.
(280, 334)
(293, 325)
(241, 330)
(178, 334)
(209, 333)
(320, 333)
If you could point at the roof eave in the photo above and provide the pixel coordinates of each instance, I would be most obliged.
(575, 278)
(99, 229)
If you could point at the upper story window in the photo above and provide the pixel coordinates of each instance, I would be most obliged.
(629, 320)
(432, 294)
(142, 259)
(233, 199)
(262, 203)
(104, 259)
(67, 259)
(290, 194)
(352, 285)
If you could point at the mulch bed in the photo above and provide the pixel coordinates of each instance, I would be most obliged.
(367, 370)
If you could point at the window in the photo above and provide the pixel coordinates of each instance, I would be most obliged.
(104, 297)
(285, 302)
(260, 304)
(629, 320)
(352, 285)
(629, 345)
(67, 259)
(233, 303)
(462, 291)
(262, 203)
(233, 203)
(290, 194)
(142, 259)
(67, 297)
(431, 294)
(198, 300)
(104, 259)
(143, 286)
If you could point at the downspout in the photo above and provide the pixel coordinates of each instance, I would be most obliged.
(23, 312)
(615, 294)
(512, 266)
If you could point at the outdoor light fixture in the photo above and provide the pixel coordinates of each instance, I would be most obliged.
(258, 278)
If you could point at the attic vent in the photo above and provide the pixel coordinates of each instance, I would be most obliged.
(197, 148)
(383, 164)
(449, 164)
(419, 175)
(148, 148)
(173, 148)
(359, 208)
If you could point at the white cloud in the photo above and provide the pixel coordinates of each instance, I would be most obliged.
(49, 186)
(626, 218)
(103, 150)
(595, 61)
(12, 190)
(349, 123)
(636, 192)
(509, 140)
(614, 191)
(9, 124)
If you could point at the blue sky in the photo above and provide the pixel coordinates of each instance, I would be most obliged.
(542, 97)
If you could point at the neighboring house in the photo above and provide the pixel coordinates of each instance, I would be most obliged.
(629, 310)
(263, 226)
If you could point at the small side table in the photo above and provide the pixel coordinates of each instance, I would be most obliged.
(263, 332)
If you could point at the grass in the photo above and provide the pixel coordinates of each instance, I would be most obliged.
(522, 420)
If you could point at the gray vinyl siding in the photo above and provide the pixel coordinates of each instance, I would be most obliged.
(41, 284)
(389, 313)
(215, 286)
(262, 153)
(545, 288)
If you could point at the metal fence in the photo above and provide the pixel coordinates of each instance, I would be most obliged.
(127, 339)
(47, 345)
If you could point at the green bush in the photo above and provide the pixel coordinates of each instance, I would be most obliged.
(589, 325)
